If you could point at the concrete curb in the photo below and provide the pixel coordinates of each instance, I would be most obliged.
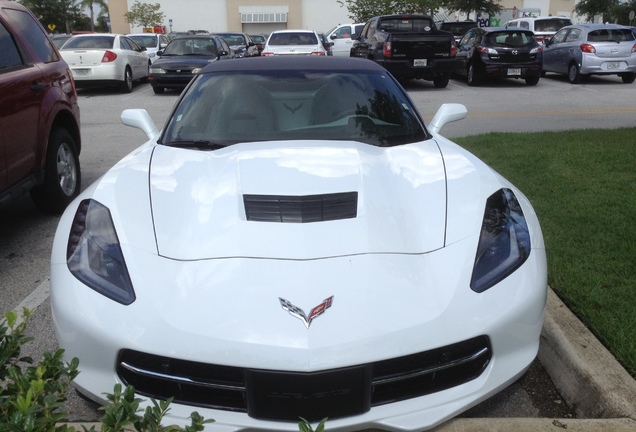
(589, 378)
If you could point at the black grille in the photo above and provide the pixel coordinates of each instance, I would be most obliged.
(284, 396)
(301, 209)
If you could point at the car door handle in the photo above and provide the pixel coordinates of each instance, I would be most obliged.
(37, 87)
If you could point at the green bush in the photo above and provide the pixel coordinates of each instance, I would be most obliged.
(32, 396)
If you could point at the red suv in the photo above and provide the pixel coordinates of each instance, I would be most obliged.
(39, 115)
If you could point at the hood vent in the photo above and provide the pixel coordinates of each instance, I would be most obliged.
(301, 209)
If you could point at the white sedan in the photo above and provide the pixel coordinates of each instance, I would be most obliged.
(296, 243)
(153, 42)
(98, 59)
(294, 42)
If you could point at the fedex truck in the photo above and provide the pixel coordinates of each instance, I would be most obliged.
(506, 14)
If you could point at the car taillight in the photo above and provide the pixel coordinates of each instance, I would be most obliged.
(454, 49)
(109, 56)
(634, 48)
(587, 48)
(486, 50)
(536, 50)
(387, 49)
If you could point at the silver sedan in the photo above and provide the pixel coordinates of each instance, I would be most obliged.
(592, 49)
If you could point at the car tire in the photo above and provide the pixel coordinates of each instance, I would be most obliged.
(441, 81)
(532, 81)
(127, 84)
(574, 75)
(62, 175)
(157, 90)
(628, 78)
(471, 76)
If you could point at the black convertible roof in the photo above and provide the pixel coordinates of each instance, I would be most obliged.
(300, 63)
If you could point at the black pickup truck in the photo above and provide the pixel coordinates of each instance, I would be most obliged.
(408, 46)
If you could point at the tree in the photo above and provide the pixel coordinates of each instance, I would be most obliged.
(491, 7)
(90, 4)
(362, 10)
(616, 11)
(144, 14)
(60, 16)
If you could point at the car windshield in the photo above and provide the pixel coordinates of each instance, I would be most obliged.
(145, 41)
(190, 46)
(222, 109)
(395, 25)
(95, 42)
(304, 38)
(510, 38)
(551, 25)
(610, 35)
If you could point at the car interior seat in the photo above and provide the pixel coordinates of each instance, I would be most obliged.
(337, 99)
(247, 109)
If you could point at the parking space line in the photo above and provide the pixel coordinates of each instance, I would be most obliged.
(33, 300)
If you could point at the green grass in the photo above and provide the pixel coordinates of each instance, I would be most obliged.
(582, 185)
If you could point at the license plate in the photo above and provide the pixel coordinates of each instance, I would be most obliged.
(80, 72)
(514, 72)
(419, 62)
(613, 65)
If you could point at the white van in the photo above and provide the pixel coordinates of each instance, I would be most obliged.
(340, 35)
(544, 27)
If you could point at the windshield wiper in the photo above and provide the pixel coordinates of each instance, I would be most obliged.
(199, 144)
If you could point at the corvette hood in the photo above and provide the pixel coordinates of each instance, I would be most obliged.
(386, 200)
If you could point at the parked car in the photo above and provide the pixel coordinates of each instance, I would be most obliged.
(183, 58)
(409, 46)
(326, 43)
(153, 42)
(60, 39)
(296, 242)
(259, 40)
(102, 59)
(40, 138)
(342, 37)
(241, 44)
(500, 53)
(543, 27)
(457, 28)
(592, 49)
(293, 42)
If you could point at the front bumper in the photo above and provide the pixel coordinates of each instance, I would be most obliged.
(384, 307)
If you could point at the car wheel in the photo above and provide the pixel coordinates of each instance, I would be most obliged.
(532, 81)
(574, 76)
(471, 76)
(127, 84)
(441, 81)
(157, 90)
(628, 78)
(62, 176)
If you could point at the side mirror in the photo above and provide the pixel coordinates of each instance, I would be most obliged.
(333, 36)
(140, 119)
(445, 114)
(355, 36)
(160, 53)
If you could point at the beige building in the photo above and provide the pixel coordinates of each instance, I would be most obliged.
(249, 16)
(264, 16)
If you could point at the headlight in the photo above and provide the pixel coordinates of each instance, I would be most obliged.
(504, 242)
(196, 70)
(94, 255)
(156, 70)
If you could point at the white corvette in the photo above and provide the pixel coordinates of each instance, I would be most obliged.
(295, 243)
